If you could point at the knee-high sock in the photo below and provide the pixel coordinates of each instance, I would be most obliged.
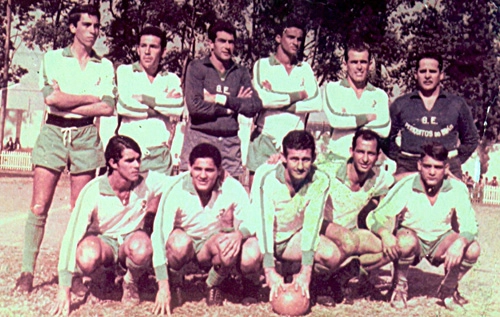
(33, 236)
(403, 265)
(216, 276)
(134, 271)
(456, 273)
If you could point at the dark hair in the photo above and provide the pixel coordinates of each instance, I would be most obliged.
(299, 140)
(205, 150)
(358, 46)
(430, 55)
(76, 13)
(367, 135)
(435, 150)
(291, 22)
(115, 147)
(155, 31)
(220, 26)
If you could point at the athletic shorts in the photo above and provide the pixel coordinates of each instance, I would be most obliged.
(428, 248)
(157, 159)
(229, 147)
(199, 243)
(79, 149)
(259, 150)
(115, 243)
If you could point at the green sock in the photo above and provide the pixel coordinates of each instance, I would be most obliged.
(403, 265)
(452, 277)
(134, 271)
(33, 236)
(464, 267)
(176, 277)
(214, 277)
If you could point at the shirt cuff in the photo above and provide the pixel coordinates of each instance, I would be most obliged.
(268, 260)
(245, 232)
(161, 272)
(307, 257)
(221, 99)
(468, 236)
(294, 97)
(361, 120)
(65, 278)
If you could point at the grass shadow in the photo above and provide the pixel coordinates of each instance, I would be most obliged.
(421, 283)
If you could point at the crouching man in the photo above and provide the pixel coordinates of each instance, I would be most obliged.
(423, 206)
(105, 226)
(200, 217)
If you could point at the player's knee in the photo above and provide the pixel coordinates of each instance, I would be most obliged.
(139, 248)
(179, 245)
(473, 252)
(407, 241)
(88, 255)
(350, 244)
(39, 209)
(251, 257)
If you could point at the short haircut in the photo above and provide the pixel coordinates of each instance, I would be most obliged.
(430, 55)
(356, 45)
(367, 135)
(299, 140)
(291, 22)
(115, 147)
(435, 150)
(76, 13)
(205, 150)
(220, 26)
(155, 31)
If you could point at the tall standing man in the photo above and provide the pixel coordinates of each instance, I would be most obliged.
(288, 90)
(147, 97)
(217, 90)
(430, 114)
(77, 85)
(353, 102)
(421, 208)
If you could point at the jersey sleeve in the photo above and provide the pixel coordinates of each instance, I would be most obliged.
(169, 106)
(128, 106)
(313, 102)
(466, 215)
(270, 99)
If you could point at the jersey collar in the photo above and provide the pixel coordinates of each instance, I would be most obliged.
(418, 187)
(105, 187)
(345, 83)
(93, 55)
(274, 61)
(341, 175)
(136, 67)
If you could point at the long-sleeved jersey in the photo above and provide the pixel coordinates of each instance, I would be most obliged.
(283, 215)
(408, 200)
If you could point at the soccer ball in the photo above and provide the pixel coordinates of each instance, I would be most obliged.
(290, 302)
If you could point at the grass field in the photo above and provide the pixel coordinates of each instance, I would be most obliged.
(481, 285)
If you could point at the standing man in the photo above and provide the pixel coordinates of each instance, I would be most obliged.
(77, 85)
(147, 97)
(217, 90)
(430, 114)
(353, 102)
(421, 207)
(201, 217)
(290, 197)
(288, 90)
(105, 227)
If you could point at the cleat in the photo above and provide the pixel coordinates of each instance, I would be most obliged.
(251, 293)
(24, 283)
(451, 298)
(399, 296)
(130, 295)
(458, 298)
(78, 287)
(176, 295)
(214, 296)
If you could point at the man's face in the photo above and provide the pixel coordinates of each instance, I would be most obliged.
(223, 46)
(357, 66)
(150, 52)
(204, 174)
(298, 164)
(364, 155)
(290, 41)
(128, 165)
(86, 30)
(428, 75)
(431, 170)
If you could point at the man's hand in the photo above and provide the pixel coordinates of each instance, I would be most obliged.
(390, 246)
(55, 85)
(274, 281)
(230, 244)
(162, 302)
(371, 117)
(302, 279)
(63, 301)
(274, 158)
(145, 100)
(453, 256)
(172, 93)
(303, 94)
(208, 97)
(245, 93)
(267, 85)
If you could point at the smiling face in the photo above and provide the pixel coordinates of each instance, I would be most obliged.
(223, 46)
(432, 171)
(150, 52)
(428, 75)
(364, 155)
(128, 165)
(357, 67)
(204, 173)
(298, 164)
(86, 30)
(290, 41)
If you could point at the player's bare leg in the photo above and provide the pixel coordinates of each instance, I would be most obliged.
(44, 185)
(78, 181)
(251, 267)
